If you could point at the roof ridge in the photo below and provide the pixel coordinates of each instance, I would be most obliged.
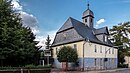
(102, 27)
(75, 20)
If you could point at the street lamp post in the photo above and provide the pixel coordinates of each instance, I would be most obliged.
(47, 53)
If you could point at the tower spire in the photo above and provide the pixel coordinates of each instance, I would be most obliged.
(88, 17)
(88, 4)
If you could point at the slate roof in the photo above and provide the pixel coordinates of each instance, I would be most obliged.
(67, 24)
(83, 32)
(103, 30)
(88, 12)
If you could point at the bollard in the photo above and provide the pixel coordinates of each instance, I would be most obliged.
(21, 70)
(28, 70)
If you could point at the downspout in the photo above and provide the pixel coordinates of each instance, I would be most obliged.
(83, 56)
(83, 52)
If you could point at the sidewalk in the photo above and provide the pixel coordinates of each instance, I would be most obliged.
(107, 71)
(99, 71)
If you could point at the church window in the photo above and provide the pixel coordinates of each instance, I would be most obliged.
(85, 20)
(56, 50)
(100, 49)
(101, 62)
(105, 50)
(112, 60)
(95, 48)
(109, 50)
(91, 20)
(96, 62)
(75, 47)
(112, 50)
(109, 60)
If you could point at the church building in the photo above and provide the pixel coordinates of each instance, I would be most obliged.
(95, 50)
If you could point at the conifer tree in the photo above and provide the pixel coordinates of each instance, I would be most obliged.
(48, 43)
(17, 45)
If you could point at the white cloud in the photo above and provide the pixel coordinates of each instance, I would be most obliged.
(16, 5)
(27, 19)
(32, 22)
(42, 39)
(52, 34)
(100, 21)
(35, 31)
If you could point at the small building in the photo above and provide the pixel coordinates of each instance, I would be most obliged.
(95, 50)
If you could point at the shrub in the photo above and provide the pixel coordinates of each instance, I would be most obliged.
(67, 54)
(123, 65)
(32, 68)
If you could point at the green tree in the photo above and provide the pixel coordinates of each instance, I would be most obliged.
(119, 35)
(48, 40)
(48, 47)
(67, 54)
(17, 45)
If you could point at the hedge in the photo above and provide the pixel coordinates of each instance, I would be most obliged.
(37, 69)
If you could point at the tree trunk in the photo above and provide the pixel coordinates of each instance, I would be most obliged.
(64, 66)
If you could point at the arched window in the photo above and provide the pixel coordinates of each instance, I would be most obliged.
(96, 62)
(56, 50)
(95, 48)
(91, 20)
(109, 50)
(85, 20)
(75, 47)
(112, 50)
(100, 49)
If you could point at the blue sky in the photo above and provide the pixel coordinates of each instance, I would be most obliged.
(51, 14)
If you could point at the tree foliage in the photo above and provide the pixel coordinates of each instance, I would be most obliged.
(48, 47)
(67, 54)
(17, 45)
(48, 42)
(119, 34)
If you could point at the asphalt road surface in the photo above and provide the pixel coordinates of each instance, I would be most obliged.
(123, 70)
(117, 71)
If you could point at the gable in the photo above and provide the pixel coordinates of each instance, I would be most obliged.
(66, 25)
(66, 37)
(103, 30)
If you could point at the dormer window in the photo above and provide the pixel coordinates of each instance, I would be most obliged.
(105, 38)
(93, 32)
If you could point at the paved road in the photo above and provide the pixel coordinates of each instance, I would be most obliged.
(118, 71)
(122, 70)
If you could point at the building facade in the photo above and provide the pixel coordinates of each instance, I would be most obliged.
(127, 61)
(95, 50)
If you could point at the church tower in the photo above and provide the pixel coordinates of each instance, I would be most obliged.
(88, 17)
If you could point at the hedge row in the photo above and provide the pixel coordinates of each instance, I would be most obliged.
(37, 69)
